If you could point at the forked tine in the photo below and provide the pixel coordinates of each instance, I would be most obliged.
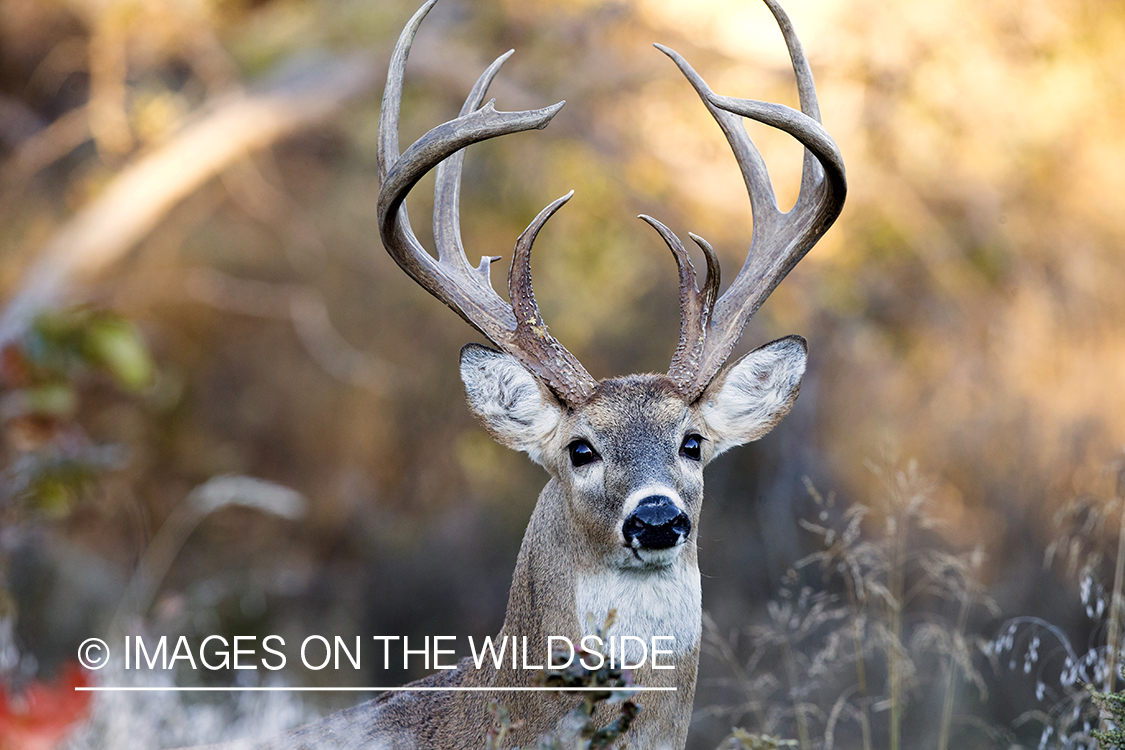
(695, 304)
(467, 290)
(827, 163)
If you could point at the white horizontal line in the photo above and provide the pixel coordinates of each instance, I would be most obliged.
(402, 689)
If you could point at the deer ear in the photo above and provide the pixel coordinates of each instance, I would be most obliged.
(514, 406)
(749, 397)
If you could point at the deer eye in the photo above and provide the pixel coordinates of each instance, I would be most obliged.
(581, 453)
(692, 447)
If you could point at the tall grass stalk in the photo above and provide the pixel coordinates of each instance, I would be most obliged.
(1116, 604)
(1085, 544)
(962, 622)
(873, 604)
(798, 709)
(716, 641)
(895, 539)
(860, 669)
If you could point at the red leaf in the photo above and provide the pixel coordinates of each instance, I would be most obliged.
(44, 713)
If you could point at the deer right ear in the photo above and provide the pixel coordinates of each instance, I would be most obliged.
(752, 395)
(514, 406)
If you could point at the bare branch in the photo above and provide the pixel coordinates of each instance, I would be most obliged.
(138, 198)
(306, 309)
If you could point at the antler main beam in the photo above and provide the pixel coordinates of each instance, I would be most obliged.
(709, 332)
(517, 328)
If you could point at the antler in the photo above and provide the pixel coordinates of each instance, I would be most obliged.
(709, 329)
(517, 328)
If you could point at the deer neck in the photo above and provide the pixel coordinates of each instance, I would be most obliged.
(541, 601)
(557, 591)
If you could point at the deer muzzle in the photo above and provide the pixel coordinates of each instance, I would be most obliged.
(656, 523)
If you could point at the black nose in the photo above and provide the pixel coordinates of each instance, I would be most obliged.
(656, 524)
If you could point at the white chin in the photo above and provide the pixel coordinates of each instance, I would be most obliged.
(640, 559)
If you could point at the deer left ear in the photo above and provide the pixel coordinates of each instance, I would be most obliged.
(749, 397)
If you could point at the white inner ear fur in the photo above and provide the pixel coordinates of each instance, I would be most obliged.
(753, 394)
(511, 402)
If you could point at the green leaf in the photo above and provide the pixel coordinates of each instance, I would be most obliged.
(53, 399)
(53, 497)
(116, 346)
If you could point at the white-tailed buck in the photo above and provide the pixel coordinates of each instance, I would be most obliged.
(616, 525)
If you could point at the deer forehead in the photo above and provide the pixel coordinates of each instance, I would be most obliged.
(635, 407)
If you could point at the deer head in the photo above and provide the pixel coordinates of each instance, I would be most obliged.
(629, 451)
(617, 522)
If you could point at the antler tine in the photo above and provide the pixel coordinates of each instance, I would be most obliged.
(763, 204)
(450, 277)
(806, 87)
(779, 240)
(695, 304)
(447, 186)
(388, 151)
(536, 347)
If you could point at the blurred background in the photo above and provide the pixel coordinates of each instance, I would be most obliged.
(195, 295)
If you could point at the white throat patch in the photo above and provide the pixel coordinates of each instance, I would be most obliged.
(649, 603)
